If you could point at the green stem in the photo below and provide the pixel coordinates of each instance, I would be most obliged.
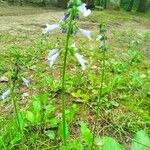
(63, 80)
(99, 98)
(13, 95)
(16, 72)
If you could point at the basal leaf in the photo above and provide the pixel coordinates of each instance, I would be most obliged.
(141, 141)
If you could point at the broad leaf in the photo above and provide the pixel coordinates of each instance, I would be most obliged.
(110, 144)
(30, 116)
(50, 134)
(36, 106)
(86, 134)
(141, 141)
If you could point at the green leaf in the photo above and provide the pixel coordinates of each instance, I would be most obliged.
(109, 144)
(16, 138)
(30, 116)
(86, 134)
(141, 141)
(71, 113)
(36, 106)
(1, 142)
(72, 145)
(50, 134)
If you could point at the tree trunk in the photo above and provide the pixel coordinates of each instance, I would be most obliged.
(130, 6)
(142, 6)
(105, 4)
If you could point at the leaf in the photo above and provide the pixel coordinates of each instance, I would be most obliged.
(86, 134)
(16, 138)
(1, 142)
(71, 113)
(141, 137)
(30, 116)
(50, 134)
(72, 145)
(109, 144)
(36, 106)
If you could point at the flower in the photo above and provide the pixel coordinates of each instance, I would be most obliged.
(81, 60)
(52, 56)
(50, 27)
(25, 81)
(99, 37)
(5, 94)
(74, 47)
(66, 15)
(82, 8)
(85, 33)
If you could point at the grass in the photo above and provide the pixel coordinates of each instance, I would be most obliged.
(125, 105)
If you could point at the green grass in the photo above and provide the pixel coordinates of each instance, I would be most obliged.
(125, 105)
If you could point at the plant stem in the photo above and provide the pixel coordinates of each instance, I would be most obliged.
(15, 78)
(99, 98)
(16, 72)
(63, 79)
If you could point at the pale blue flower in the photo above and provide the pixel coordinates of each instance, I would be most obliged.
(52, 56)
(74, 47)
(81, 60)
(99, 37)
(82, 8)
(50, 27)
(25, 81)
(5, 94)
(85, 33)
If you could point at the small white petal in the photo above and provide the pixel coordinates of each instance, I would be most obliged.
(50, 27)
(25, 81)
(87, 13)
(52, 56)
(82, 8)
(86, 33)
(24, 95)
(5, 94)
(99, 37)
(81, 60)
(74, 47)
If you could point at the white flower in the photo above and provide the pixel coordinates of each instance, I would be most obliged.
(74, 47)
(50, 27)
(82, 8)
(52, 56)
(99, 37)
(81, 60)
(85, 33)
(25, 81)
(5, 94)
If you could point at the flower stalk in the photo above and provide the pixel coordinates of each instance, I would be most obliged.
(63, 78)
(102, 46)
